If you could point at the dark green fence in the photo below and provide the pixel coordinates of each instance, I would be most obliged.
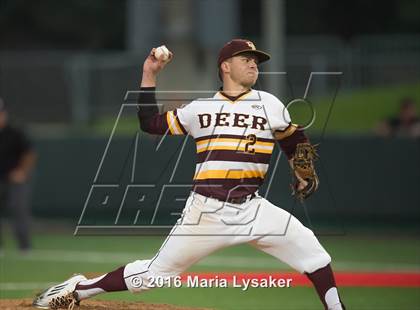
(361, 179)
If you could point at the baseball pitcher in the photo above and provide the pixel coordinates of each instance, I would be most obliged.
(235, 132)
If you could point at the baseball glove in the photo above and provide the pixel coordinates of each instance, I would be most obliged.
(304, 169)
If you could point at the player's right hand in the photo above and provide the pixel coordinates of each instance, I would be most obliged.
(152, 65)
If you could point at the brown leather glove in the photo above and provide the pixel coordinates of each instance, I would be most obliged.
(304, 169)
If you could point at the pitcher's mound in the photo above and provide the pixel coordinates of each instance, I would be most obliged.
(25, 304)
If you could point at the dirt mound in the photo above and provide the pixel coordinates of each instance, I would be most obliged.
(25, 304)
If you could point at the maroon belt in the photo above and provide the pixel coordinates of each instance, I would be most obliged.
(240, 200)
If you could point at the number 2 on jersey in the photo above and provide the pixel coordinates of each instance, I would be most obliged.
(252, 139)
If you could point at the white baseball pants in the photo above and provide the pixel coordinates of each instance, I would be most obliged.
(207, 225)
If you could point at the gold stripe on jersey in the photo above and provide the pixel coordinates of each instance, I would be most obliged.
(282, 134)
(173, 124)
(233, 144)
(229, 174)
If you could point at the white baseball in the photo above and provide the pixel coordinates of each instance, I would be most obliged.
(162, 53)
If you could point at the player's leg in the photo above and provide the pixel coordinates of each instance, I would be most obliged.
(195, 236)
(136, 272)
(198, 234)
(283, 236)
(175, 256)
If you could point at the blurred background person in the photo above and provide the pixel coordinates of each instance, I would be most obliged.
(17, 160)
(405, 124)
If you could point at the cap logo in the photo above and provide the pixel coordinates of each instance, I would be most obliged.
(251, 45)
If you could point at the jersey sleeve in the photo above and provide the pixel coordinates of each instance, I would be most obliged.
(184, 117)
(279, 118)
(153, 122)
(175, 125)
(284, 131)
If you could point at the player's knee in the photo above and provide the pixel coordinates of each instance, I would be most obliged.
(313, 254)
(136, 283)
(316, 262)
(136, 274)
(142, 275)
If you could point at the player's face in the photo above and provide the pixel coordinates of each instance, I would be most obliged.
(244, 69)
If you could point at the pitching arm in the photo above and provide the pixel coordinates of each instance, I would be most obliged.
(153, 122)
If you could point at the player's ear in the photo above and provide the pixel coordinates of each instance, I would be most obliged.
(225, 67)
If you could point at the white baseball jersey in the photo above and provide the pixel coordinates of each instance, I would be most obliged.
(234, 140)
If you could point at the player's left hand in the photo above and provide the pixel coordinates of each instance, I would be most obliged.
(301, 184)
(306, 179)
(302, 189)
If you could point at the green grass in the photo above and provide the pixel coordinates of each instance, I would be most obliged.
(58, 255)
(355, 112)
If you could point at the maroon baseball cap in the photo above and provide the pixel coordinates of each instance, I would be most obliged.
(238, 46)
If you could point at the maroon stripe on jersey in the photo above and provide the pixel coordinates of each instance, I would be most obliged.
(232, 155)
(223, 189)
(233, 137)
(179, 122)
